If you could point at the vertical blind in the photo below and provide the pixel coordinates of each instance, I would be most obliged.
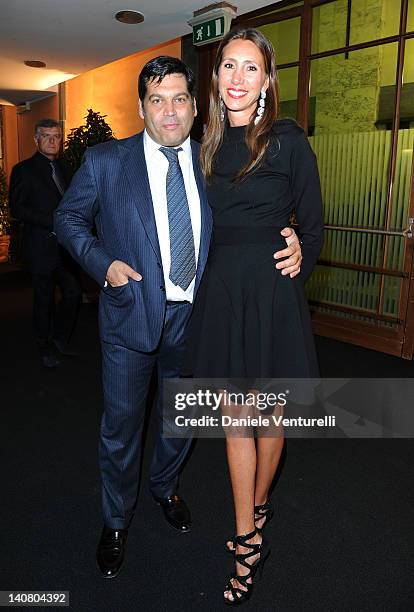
(354, 174)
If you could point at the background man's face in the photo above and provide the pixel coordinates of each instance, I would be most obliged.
(48, 141)
(168, 110)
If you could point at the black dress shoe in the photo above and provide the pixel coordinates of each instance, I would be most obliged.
(111, 551)
(176, 512)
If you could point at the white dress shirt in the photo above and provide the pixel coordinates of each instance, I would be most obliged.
(157, 167)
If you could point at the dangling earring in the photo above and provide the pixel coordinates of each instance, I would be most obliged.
(222, 108)
(261, 107)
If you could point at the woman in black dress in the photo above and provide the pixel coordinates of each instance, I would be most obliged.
(249, 321)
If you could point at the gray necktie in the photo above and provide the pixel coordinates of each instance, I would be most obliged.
(183, 265)
(57, 177)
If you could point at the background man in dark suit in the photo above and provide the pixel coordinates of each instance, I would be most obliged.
(146, 196)
(36, 188)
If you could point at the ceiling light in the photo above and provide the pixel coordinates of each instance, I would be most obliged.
(35, 63)
(129, 16)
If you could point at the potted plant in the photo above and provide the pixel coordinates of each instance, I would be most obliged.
(95, 131)
(5, 221)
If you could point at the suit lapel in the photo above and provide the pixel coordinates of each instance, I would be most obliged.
(133, 161)
(206, 219)
(66, 172)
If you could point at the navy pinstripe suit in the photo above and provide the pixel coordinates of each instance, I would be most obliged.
(138, 330)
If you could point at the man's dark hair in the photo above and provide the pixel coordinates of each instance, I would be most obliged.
(161, 66)
(46, 123)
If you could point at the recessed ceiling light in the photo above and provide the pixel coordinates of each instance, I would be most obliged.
(129, 16)
(35, 64)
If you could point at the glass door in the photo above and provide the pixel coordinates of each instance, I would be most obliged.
(362, 133)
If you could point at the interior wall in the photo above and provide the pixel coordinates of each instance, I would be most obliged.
(112, 90)
(26, 121)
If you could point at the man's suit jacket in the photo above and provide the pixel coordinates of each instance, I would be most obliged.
(111, 189)
(33, 199)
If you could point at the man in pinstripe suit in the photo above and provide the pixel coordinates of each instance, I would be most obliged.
(121, 187)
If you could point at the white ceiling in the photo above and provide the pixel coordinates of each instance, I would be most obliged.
(73, 36)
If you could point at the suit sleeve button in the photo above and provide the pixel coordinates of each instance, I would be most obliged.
(162, 287)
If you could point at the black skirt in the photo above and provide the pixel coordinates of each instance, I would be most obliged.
(248, 320)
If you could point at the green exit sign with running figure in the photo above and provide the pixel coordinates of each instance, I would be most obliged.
(208, 31)
(212, 22)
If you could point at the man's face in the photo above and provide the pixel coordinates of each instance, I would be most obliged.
(48, 141)
(168, 110)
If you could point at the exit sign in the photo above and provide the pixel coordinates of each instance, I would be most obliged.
(208, 31)
(212, 22)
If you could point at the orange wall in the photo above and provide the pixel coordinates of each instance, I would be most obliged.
(112, 90)
(44, 109)
(10, 138)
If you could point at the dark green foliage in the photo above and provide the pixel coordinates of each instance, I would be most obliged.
(95, 131)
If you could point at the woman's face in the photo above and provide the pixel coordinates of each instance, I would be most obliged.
(241, 77)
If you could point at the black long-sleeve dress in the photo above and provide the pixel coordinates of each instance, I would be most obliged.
(248, 320)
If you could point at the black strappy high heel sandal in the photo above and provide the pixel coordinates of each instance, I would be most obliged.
(266, 512)
(240, 595)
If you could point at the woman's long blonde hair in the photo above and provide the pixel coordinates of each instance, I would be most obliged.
(257, 136)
